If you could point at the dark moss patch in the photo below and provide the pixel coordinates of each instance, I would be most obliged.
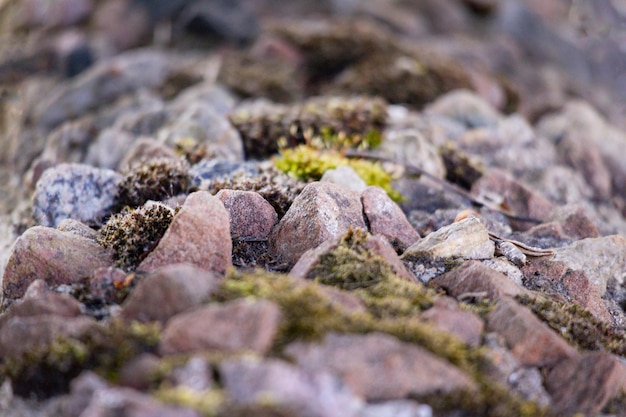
(133, 234)
(576, 325)
(250, 254)
(154, 180)
(461, 169)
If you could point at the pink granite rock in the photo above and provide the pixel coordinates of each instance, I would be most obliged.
(199, 235)
(251, 216)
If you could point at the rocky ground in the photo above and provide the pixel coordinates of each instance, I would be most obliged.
(333, 208)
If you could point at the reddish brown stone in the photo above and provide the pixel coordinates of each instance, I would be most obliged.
(586, 295)
(447, 316)
(251, 216)
(532, 342)
(386, 219)
(585, 384)
(321, 212)
(378, 366)
(473, 277)
(53, 256)
(235, 326)
(199, 235)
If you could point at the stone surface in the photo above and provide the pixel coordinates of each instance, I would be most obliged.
(250, 381)
(532, 342)
(412, 148)
(345, 177)
(145, 149)
(446, 315)
(52, 256)
(466, 239)
(236, 326)
(465, 107)
(251, 216)
(397, 408)
(600, 258)
(386, 218)
(199, 235)
(77, 228)
(473, 277)
(168, 291)
(322, 211)
(585, 384)
(75, 191)
(380, 367)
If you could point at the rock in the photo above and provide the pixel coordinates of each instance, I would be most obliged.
(251, 216)
(600, 259)
(532, 342)
(465, 107)
(576, 222)
(321, 212)
(92, 396)
(585, 384)
(563, 185)
(446, 315)
(375, 244)
(473, 277)
(199, 235)
(78, 228)
(378, 367)
(51, 13)
(195, 374)
(231, 327)
(53, 256)
(410, 147)
(144, 149)
(251, 381)
(504, 266)
(40, 301)
(102, 84)
(213, 169)
(21, 335)
(397, 408)
(139, 372)
(518, 198)
(205, 128)
(466, 239)
(385, 218)
(345, 177)
(168, 291)
(75, 191)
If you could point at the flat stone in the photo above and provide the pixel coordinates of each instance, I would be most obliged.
(250, 381)
(345, 177)
(519, 198)
(532, 342)
(236, 326)
(251, 216)
(169, 291)
(379, 367)
(466, 239)
(473, 277)
(78, 228)
(446, 315)
(199, 235)
(585, 384)
(322, 211)
(387, 219)
(466, 107)
(600, 258)
(55, 257)
(75, 191)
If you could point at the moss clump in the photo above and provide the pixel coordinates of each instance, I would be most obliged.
(154, 180)
(306, 163)
(135, 233)
(576, 325)
(325, 122)
(274, 186)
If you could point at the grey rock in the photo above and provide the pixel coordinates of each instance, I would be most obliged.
(101, 84)
(251, 216)
(380, 367)
(145, 149)
(601, 259)
(467, 108)
(504, 266)
(199, 235)
(207, 93)
(250, 381)
(216, 168)
(53, 13)
(53, 256)
(322, 211)
(139, 372)
(466, 239)
(397, 408)
(410, 147)
(386, 218)
(345, 177)
(168, 291)
(195, 374)
(236, 326)
(75, 191)
(78, 228)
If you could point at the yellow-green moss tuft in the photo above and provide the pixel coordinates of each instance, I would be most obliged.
(208, 403)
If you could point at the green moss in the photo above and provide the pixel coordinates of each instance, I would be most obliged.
(133, 234)
(576, 325)
(153, 180)
(306, 163)
(209, 403)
